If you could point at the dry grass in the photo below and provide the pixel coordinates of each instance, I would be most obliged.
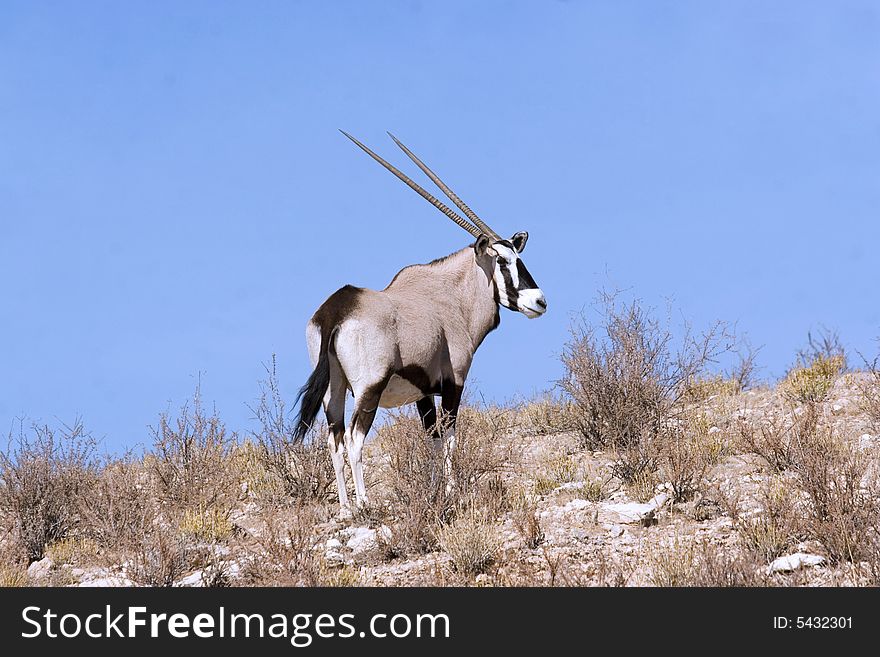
(471, 541)
(417, 496)
(547, 415)
(692, 563)
(646, 417)
(811, 382)
(207, 524)
(683, 461)
(555, 470)
(525, 518)
(776, 526)
(278, 467)
(13, 576)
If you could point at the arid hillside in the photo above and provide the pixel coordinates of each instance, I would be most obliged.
(645, 466)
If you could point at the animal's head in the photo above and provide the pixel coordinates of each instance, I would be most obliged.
(516, 288)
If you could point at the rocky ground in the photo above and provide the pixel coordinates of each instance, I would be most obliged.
(587, 526)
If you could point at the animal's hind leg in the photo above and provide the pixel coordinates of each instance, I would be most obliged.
(365, 406)
(334, 407)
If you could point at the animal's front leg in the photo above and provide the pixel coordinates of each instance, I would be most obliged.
(450, 400)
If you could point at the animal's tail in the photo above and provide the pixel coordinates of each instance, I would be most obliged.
(312, 393)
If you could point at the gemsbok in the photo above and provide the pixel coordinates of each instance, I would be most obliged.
(414, 340)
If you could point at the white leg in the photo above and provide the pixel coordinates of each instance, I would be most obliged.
(337, 454)
(355, 459)
(449, 439)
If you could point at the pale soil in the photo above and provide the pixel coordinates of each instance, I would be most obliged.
(585, 542)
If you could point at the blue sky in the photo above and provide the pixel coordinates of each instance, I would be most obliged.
(175, 197)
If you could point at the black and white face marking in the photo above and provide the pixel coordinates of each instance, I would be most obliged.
(517, 289)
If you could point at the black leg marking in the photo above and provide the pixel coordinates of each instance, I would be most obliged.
(450, 400)
(366, 407)
(428, 413)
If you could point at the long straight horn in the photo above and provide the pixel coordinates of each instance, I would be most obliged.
(461, 221)
(470, 214)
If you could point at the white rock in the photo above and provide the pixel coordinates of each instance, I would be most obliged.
(333, 544)
(840, 407)
(713, 430)
(795, 561)
(616, 531)
(193, 580)
(360, 538)
(40, 568)
(575, 505)
(334, 558)
(110, 581)
(634, 512)
(866, 441)
(580, 534)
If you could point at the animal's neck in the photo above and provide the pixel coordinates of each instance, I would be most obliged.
(477, 285)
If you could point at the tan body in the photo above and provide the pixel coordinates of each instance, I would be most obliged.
(402, 345)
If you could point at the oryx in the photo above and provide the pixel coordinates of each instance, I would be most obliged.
(415, 339)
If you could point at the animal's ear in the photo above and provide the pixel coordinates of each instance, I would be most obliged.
(519, 241)
(482, 244)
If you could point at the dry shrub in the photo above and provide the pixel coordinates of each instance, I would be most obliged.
(118, 510)
(776, 439)
(160, 557)
(683, 461)
(869, 392)
(416, 486)
(284, 553)
(626, 380)
(712, 441)
(43, 475)
(843, 513)
(191, 463)
(280, 468)
(614, 570)
(704, 564)
(487, 419)
(472, 542)
(215, 571)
